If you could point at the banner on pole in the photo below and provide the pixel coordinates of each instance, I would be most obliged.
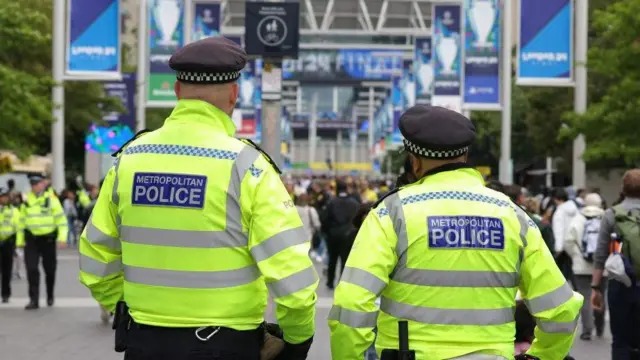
(206, 19)
(482, 55)
(93, 40)
(447, 60)
(248, 112)
(166, 36)
(403, 96)
(423, 70)
(545, 46)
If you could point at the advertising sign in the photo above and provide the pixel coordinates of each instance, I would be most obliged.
(545, 56)
(249, 106)
(403, 96)
(93, 40)
(447, 60)
(343, 66)
(166, 36)
(423, 70)
(482, 55)
(119, 127)
(206, 19)
(272, 29)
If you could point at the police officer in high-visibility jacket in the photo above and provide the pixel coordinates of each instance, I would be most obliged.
(45, 224)
(9, 232)
(448, 255)
(192, 226)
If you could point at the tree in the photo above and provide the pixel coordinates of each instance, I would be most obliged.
(25, 86)
(610, 124)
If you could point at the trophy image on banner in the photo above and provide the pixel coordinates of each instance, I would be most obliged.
(246, 91)
(409, 89)
(447, 51)
(482, 16)
(425, 70)
(167, 15)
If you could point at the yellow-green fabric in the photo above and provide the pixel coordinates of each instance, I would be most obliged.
(457, 301)
(43, 214)
(10, 224)
(83, 198)
(209, 266)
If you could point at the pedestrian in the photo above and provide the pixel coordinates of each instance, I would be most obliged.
(9, 231)
(192, 226)
(310, 219)
(447, 254)
(71, 212)
(338, 224)
(45, 225)
(563, 213)
(580, 244)
(623, 302)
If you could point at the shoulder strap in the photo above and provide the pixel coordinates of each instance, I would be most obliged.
(124, 146)
(375, 204)
(267, 157)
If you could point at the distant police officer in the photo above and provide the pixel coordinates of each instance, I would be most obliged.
(9, 231)
(448, 255)
(192, 227)
(44, 224)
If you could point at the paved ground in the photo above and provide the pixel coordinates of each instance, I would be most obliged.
(72, 331)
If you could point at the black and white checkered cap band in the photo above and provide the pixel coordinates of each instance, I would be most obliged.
(434, 154)
(207, 78)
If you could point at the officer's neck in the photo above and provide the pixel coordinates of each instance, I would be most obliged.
(449, 166)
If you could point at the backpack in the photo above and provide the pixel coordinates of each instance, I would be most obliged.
(627, 225)
(590, 237)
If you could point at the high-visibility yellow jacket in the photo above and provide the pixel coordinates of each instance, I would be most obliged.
(192, 227)
(42, 215)
(10, 224)
(83, 198)
(448, 255)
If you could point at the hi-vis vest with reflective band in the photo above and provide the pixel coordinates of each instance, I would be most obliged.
(43, 215)
(198, 225)
(9, 222)
(449, 254)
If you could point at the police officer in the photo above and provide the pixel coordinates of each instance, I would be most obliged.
(448, 255)
(44, 224)
(192, 226)
(9, 231)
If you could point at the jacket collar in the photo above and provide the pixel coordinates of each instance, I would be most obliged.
(203, 113)
(445, 174)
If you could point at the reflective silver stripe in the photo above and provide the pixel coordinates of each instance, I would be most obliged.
(292, 283)
(523, 218)
(38, 226)
(279, 242)
(60, 215)
(97, 237)
(396, 214)
(246, 157)
(115, 198)
(451, 278)
(550, 300)
(557, 327)
(98, 268)
(428, 315)
(192, 279)
(37, 215)
(354, 319)
(177, 238)
(364, 279)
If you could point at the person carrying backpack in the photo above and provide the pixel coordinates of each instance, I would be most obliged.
(623, 220)
(580, 244)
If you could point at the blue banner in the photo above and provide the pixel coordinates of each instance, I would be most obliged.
(403, 96)
(447, 39)
(423, 70)
(545, 55)
(118, 127)
(343, 66)
(206, 20)
(249, 106)
(93, 39)
(482, 55)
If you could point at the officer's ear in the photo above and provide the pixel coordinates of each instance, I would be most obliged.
(233, 95)
(177, 89)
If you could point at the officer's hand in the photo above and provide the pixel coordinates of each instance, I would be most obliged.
(62, 245)
(296, 351)
(596, 300)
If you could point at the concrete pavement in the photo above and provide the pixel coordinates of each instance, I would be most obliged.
(71, 330)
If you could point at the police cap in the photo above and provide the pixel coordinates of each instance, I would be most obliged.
(435, 132)
(35, 179)
(213, 60)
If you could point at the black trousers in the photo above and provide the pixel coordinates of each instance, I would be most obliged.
(624, 316)
(338, 247)
(156, 343)
(36, 247)
(7, 249)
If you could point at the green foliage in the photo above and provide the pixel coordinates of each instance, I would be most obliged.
(26, 82)
(610, 124)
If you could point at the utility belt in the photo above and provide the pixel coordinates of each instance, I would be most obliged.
(123, 324)
(48, 236)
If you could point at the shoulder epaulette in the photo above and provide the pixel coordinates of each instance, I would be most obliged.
(124, 146)
(269, 159)
(375, 204)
